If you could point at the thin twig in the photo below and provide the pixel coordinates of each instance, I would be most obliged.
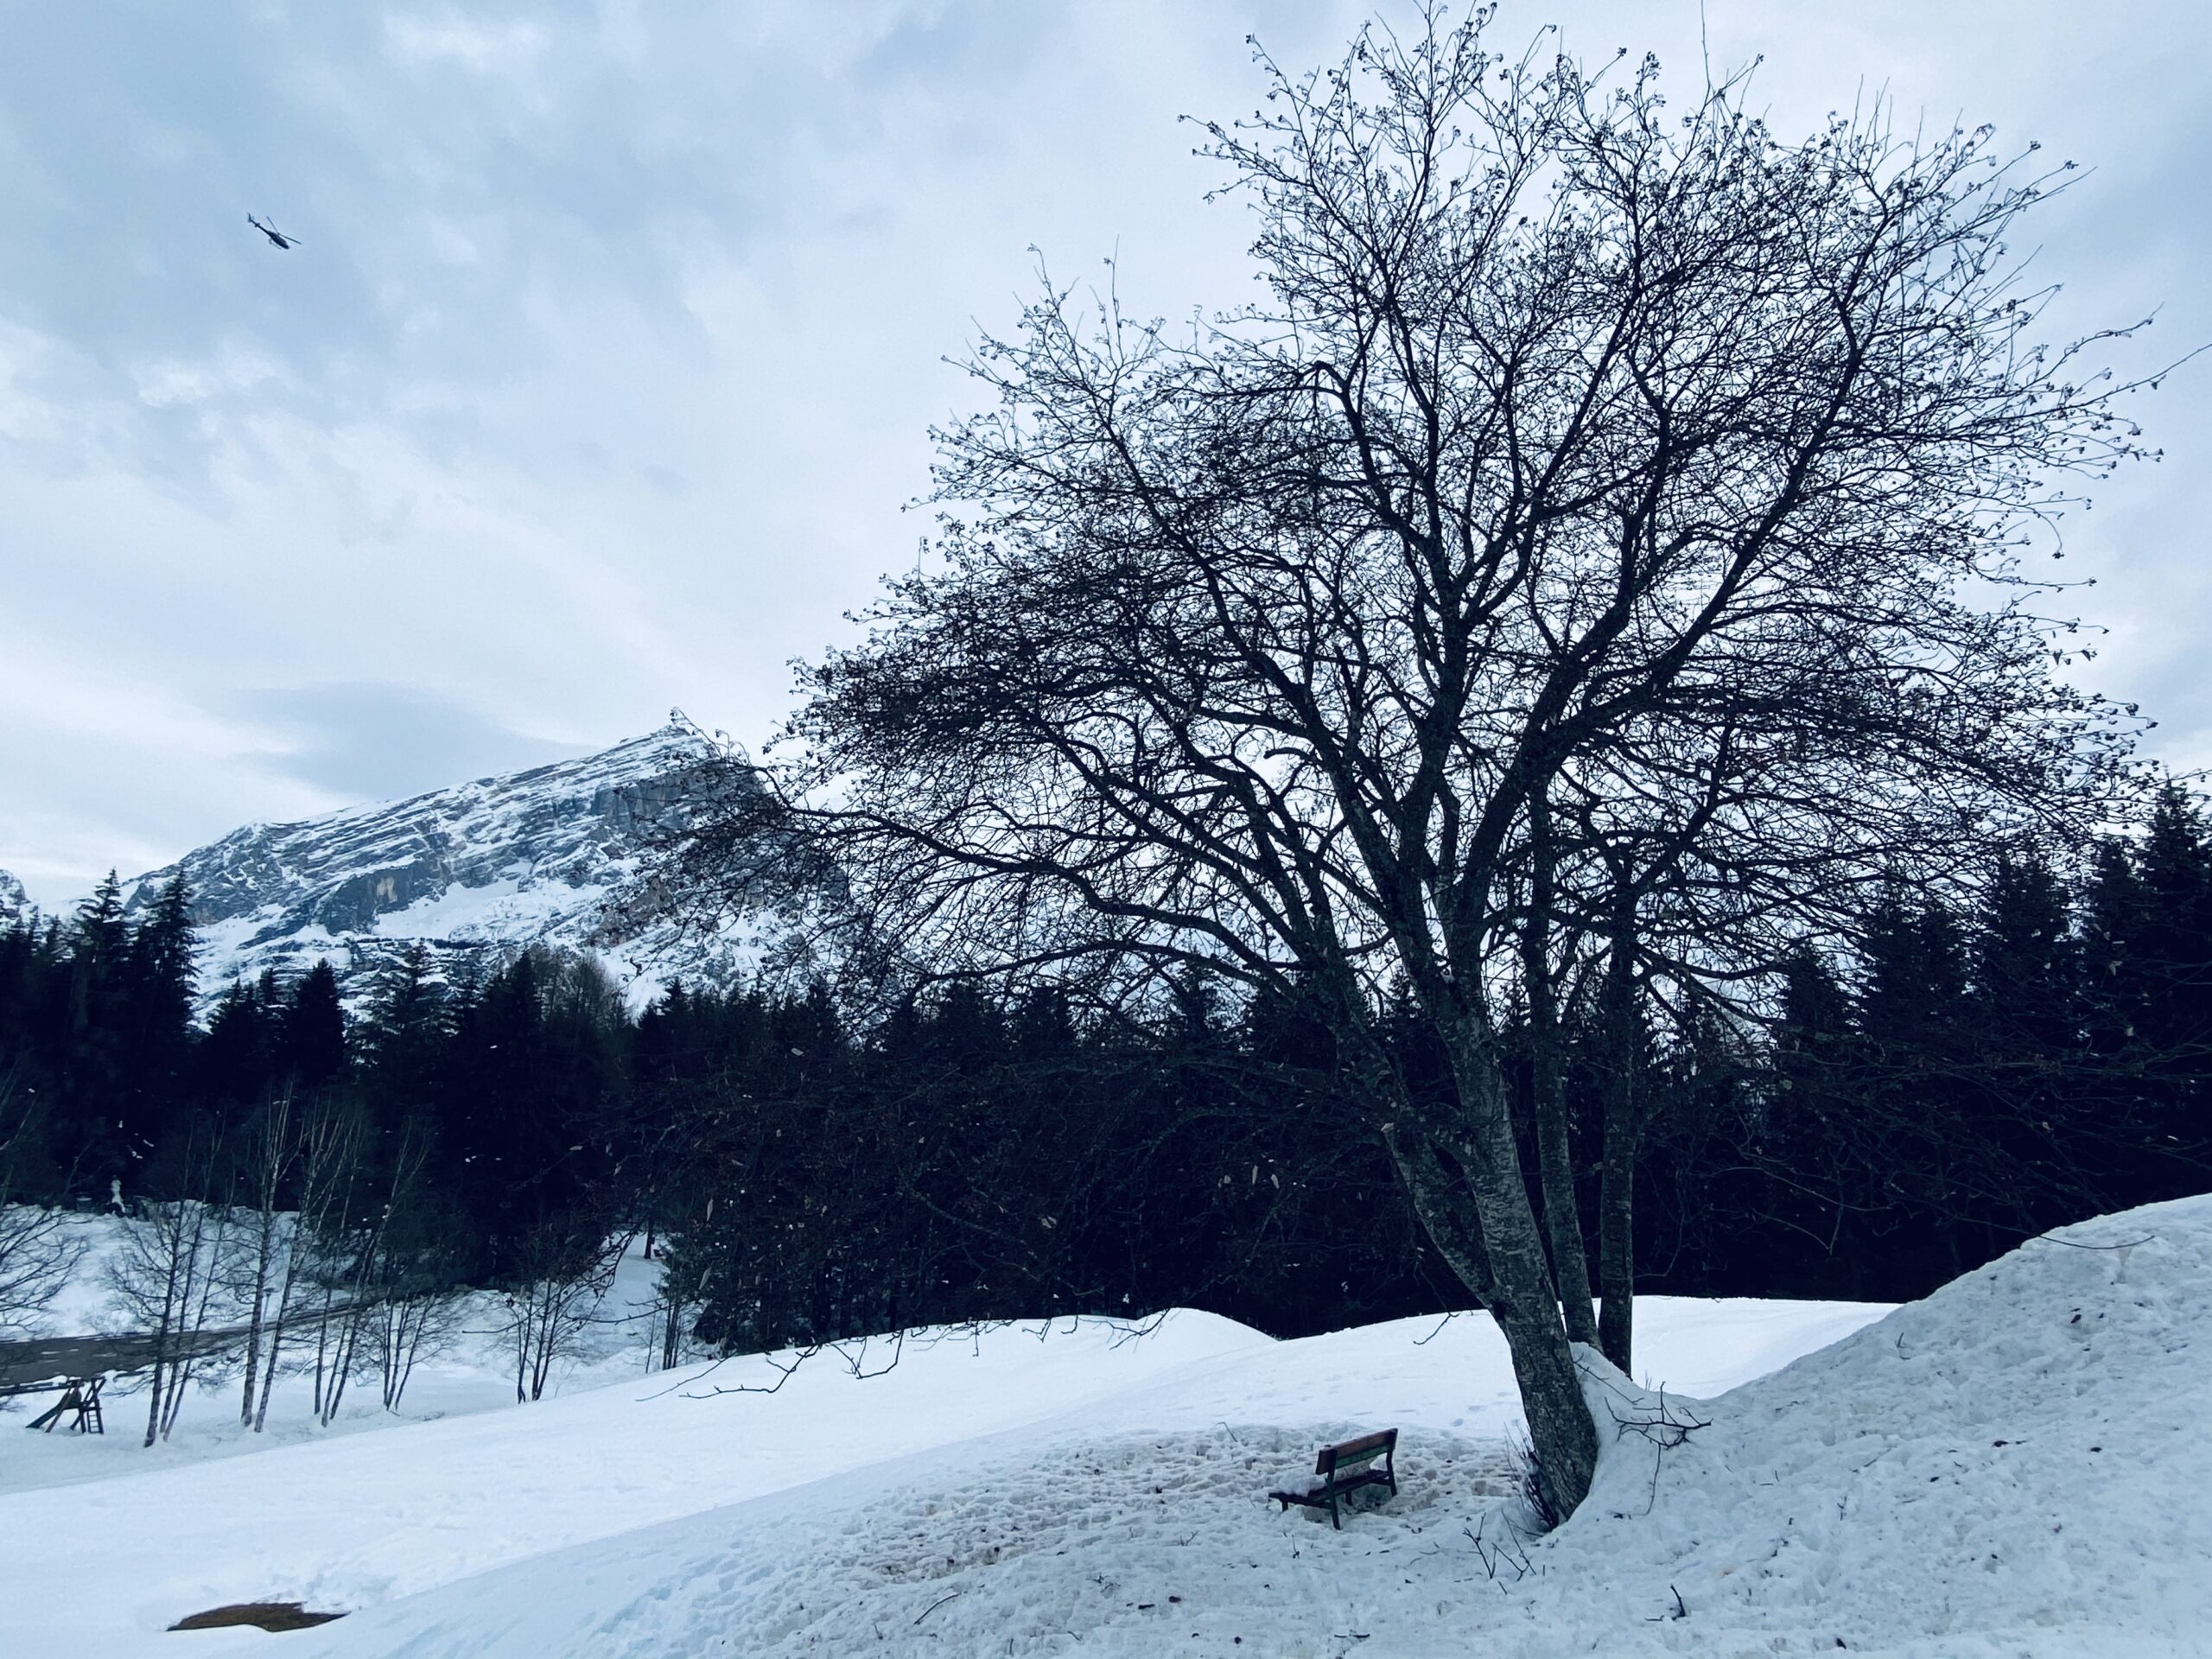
(934, 1605)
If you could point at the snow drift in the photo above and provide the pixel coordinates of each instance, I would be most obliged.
(2018, 1465)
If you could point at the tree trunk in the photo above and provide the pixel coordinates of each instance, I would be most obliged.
(1562, 1220)
(275, 1153)
(257, 1305)
(1439, 1199)
(1554, 1156)
(176, 1292)
(1521, 1298)
(1617, 1195)
(1479, 1217)
(277, 1324)
(153, 1395)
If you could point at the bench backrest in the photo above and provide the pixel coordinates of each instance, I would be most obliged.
(1353, 1454)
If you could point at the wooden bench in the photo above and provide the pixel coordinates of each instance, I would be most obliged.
(1346, 1467)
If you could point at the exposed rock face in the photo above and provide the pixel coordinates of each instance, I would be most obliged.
(13, 900)
(473, 873)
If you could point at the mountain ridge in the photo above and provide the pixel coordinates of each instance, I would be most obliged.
(473, 873)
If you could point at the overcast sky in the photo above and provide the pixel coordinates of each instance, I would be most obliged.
(603, 368)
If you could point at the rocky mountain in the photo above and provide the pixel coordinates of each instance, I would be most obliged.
(472, 873)
(13, 900)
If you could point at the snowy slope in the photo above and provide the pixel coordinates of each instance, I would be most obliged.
(469, 1367)
(357, 1520)
(13, 900)
(375, 1518)
(1981, 1474)
(471, 872)
(2018, 1465)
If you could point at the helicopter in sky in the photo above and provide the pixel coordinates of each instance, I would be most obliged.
(273, 233)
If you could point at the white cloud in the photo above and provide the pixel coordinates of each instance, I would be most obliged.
(511, 47)
(169, 382)
(605, 367)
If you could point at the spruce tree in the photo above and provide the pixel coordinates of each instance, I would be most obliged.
(2173, 942)
(91, 1125)
(2026, 965)
(313, 1042)
(2111, 920)
(158, 1015)
(1807, 1143)
(2170, 960)
(406, 1024)
(237, 1060)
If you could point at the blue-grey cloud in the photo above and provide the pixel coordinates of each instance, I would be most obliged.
(364, 740)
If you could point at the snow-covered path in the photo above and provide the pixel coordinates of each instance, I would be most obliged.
(377, 1516)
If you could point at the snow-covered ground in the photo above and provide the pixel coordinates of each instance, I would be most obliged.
(2019, 1465)
(471, 1370)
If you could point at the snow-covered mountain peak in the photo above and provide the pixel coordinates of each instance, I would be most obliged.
(472, 872)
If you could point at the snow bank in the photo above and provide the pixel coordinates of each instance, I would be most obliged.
(2016, 1466)
(375, 1518)
(1143, 1504)
(2020, 1464)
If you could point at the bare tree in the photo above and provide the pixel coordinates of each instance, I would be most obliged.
(328, 1160)
(410, 1299)
(367, 1258)
(38, 1249)
(685, 1276)
(169, 1276)
(556, 1298)
(415, 1321)
(274, 1150)
(1571, 433)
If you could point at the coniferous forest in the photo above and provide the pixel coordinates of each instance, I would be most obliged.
(1971, 1072)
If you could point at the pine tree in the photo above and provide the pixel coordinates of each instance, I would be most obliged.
(2172, 947)
(313, 1041)
(156, 1014)
(406, 1026)
(237, 1060)
(2026, 965)
(1913, 982)
(89, 1126)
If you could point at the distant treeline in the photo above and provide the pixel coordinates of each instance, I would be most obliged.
(1966, 1076)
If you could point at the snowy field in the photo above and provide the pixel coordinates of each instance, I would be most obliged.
(2019, 1465)
(472, 1371)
